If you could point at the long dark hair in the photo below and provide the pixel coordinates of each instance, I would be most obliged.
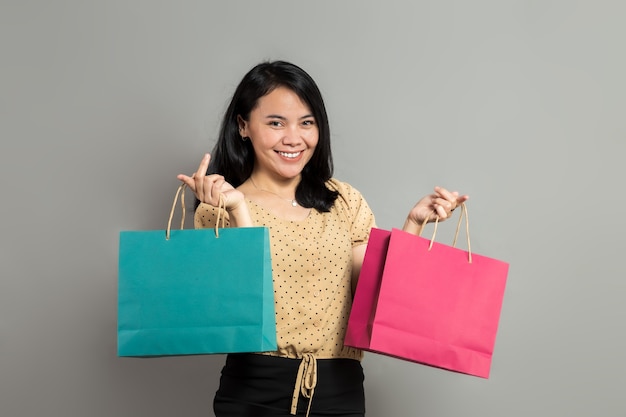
(234, 158)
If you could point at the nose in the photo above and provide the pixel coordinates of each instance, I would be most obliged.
(293, 135)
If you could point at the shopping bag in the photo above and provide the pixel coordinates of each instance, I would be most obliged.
(198, 291)
(427, 302)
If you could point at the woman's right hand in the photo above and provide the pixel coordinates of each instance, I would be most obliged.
(208, 188)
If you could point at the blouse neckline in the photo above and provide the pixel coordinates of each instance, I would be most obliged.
(282, 219)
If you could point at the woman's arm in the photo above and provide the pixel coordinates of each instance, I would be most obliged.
(441, 203)
(358, 254)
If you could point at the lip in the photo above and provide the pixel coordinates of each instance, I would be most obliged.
(293, 156)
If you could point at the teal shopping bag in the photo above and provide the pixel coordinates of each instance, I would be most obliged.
(198, 291)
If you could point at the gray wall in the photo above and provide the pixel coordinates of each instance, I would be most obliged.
(518, 103)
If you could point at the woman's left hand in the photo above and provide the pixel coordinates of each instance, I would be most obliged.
(440, 204)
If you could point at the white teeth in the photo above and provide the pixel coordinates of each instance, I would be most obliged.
(289, 154)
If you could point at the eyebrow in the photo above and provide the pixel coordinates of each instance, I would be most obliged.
(276, 116)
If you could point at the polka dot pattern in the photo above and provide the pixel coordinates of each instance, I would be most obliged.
(311, 268)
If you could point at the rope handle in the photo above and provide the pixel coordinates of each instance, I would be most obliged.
(181, 192)
(221, 207)
(456, 233)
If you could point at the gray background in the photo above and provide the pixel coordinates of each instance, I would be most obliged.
(518, 103)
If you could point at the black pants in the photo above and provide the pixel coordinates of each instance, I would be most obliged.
(262, 386)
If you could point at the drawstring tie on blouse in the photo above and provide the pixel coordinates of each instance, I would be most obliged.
(305, 382)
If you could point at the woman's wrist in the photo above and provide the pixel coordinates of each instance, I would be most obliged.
(239, 216)
(411, 226)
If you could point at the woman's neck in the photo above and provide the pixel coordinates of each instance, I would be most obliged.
(285, 187)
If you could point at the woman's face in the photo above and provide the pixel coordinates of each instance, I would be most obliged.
(283, 133)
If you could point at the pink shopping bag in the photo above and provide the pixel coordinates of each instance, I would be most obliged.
(427, 302)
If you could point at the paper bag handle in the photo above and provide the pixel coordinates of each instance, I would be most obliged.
(456, 233)
(181, 192)
(221, 206)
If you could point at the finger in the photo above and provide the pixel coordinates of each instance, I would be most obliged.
(200, 174)
(462, 199)
(444, 193)
(453, 197)
(444, 204)
(207, 188)
(442, 212)
(188, 181)
(211, 186)
(216, 189)
(204, 166)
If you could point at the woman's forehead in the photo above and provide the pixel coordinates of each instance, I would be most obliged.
(282, 101)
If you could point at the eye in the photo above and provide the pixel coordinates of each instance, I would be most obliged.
(274, 123)
(309, 122)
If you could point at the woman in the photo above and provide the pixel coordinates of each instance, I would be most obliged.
(272, 166)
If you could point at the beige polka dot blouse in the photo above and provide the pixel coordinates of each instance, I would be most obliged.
(312, 267)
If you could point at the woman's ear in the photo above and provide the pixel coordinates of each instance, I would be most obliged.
(243, 126)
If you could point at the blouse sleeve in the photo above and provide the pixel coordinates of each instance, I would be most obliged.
(206, 216)
(358, 212)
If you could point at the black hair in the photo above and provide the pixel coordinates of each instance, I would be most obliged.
(233, 157)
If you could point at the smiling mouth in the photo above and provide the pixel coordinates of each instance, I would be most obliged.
(289, 154)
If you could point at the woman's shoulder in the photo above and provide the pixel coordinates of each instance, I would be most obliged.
(344, 189)
(340, 186)
(348, 196)
(351, 204)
